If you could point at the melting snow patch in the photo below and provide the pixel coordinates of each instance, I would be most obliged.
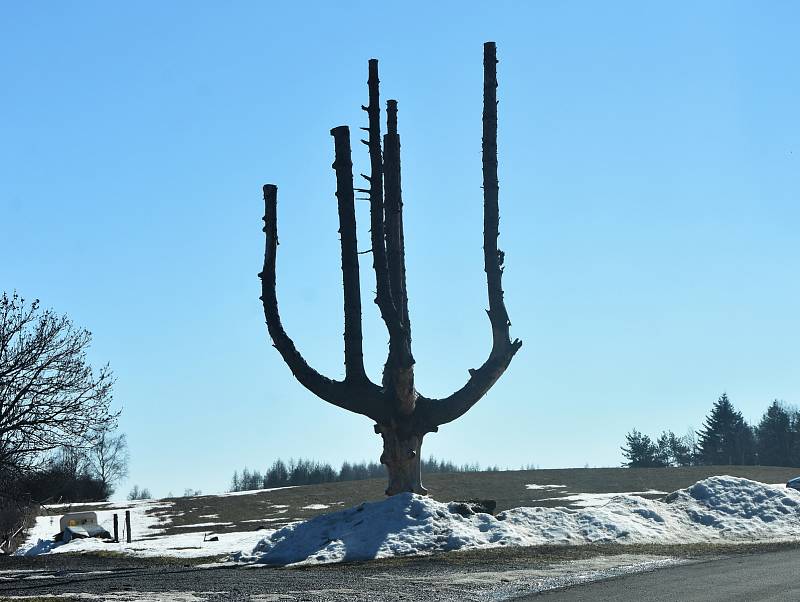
(252, 491)
(715, 509)
(202, 525)
(589, 500)
(535, 486)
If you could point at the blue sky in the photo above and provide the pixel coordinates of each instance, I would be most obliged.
(649, 172)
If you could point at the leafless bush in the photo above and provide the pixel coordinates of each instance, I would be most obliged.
(49, 395)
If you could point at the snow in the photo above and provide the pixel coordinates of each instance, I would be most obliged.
(589, 500)
(253, 491)
(76, 504)
(316, 507)
(192, 526)
(145, 521)
(182, 545)
(535, 486)
(716, 509)
(147, 534)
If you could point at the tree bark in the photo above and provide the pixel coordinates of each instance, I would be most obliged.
(343, 165)
(398, 373)
(402, 452)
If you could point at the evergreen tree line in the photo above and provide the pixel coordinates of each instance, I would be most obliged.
(312, 472)
(725, 439)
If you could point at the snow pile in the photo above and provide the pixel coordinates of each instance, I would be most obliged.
(717, 508)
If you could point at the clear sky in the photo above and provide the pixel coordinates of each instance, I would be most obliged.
(649, 173)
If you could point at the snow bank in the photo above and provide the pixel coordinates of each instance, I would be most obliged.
(716, 509)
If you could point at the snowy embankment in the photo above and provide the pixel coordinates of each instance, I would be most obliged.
(717, 509)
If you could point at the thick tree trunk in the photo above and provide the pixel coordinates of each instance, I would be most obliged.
(402, 452)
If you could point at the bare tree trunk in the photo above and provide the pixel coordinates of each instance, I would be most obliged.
(402, 453)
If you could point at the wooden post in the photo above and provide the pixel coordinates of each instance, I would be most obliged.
(128, 526)
(116, 528)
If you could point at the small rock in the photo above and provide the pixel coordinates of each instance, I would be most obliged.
(474, 506)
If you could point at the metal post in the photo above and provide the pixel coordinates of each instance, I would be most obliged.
(128, 525)
(116, 528)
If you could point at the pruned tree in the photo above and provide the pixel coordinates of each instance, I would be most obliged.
(776, 436)
(402, 415)
(49, 395)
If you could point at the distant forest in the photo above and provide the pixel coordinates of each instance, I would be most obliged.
(725, 439)
(311, 472)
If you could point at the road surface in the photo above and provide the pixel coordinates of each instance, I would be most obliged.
(759, 577)
(488, 575)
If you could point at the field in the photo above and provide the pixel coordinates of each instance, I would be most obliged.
(249, 511)
(174, 556)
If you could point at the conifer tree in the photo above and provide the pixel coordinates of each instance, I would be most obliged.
(774, 436)
(663, 450)
(794, 453)
(726, 438)
(679, 449)
(639, 450)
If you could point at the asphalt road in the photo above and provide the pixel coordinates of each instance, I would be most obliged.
(769, 576)
(490, 575)
(474, 576)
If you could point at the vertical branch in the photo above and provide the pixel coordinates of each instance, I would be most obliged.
(399, 370)
(492, 256)
(395, 243)
(353, 339)
(383, 297)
